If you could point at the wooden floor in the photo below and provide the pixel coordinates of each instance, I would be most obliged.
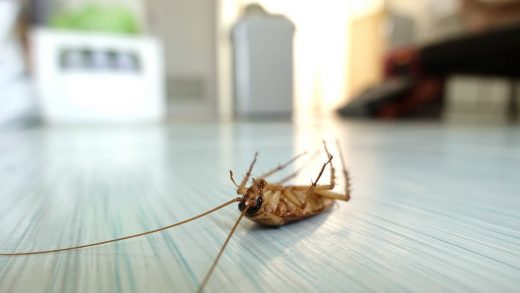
(435, 208)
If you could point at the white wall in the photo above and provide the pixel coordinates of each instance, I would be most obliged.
(187, 30)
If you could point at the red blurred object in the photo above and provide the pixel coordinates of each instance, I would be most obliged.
(404, 61)
(424, 97)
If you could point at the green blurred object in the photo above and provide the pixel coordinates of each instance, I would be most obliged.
(97, 18)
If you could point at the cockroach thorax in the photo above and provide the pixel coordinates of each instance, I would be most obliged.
(258, 185)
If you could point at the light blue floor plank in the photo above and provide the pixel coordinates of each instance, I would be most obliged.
(435, 207)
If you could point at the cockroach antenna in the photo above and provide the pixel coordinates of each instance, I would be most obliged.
(212, 268)
(125, 237)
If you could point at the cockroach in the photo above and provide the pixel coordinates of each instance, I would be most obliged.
(268, 204)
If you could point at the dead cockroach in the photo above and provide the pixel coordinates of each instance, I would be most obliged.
(269, 204)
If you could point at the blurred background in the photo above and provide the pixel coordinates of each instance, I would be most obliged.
(128, 61)
(121, 116)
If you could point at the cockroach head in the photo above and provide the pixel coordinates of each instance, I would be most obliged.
(253, 198)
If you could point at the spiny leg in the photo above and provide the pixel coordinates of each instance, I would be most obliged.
(325, 191)
(313, 185)
(332, 170)
(346, 175)
(282, 166)
(241, 188)
(291, 176)
(332, 173)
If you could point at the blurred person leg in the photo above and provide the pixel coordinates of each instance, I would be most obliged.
(16, 100)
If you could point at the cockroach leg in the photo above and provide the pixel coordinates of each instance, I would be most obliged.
(313, 185)
(332, 170)
(346, 175)
(326, 191)
(307, 187)
(232, 179)
(293, 175)
(282, 166)
(331, 194)
(241, 189)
